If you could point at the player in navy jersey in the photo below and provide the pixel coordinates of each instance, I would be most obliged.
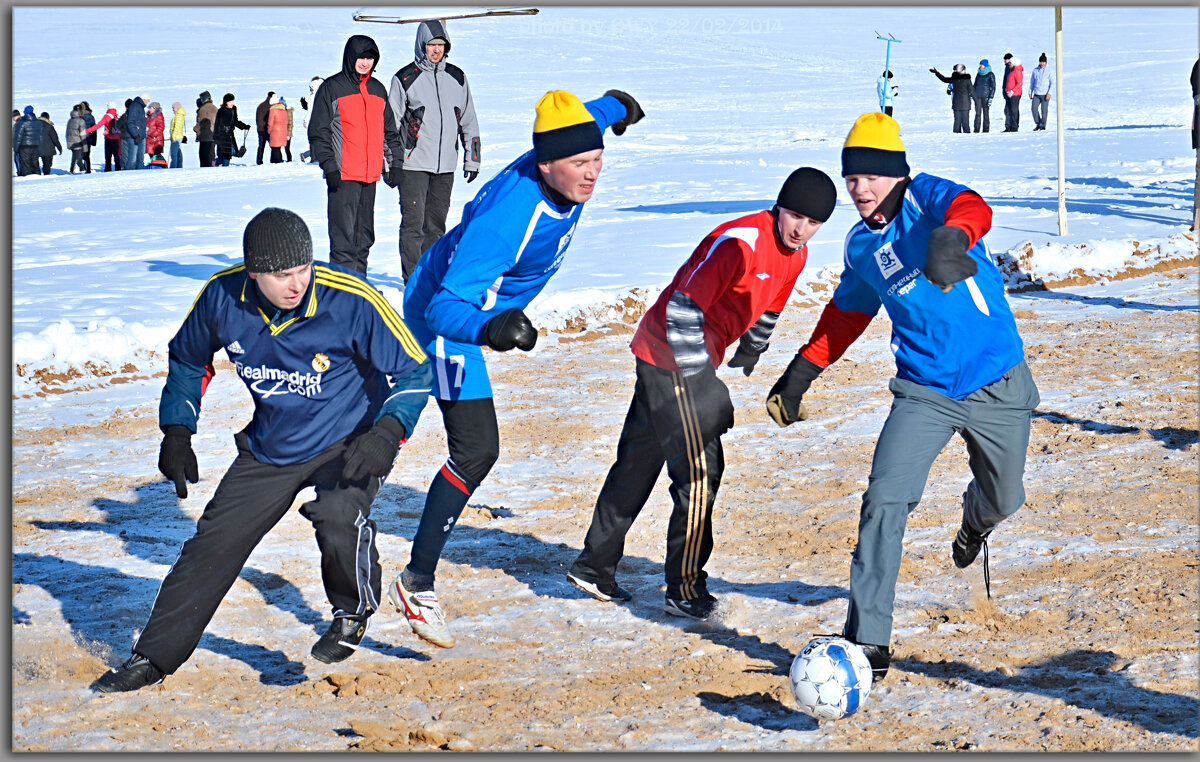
(919, 253)
(338, 384)
(732, 288)
(469, 290)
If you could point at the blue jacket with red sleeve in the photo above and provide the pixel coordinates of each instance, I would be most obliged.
(317, 373)
(954, 343)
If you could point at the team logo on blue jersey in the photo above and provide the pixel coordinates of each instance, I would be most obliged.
(889, 263)
(320, 362)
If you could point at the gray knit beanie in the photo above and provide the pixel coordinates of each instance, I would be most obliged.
(276, 240)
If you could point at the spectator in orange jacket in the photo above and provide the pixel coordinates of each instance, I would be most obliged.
(277, 128)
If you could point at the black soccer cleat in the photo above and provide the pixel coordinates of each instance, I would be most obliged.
(967, 544)
(341, 640)
(601, 591)
(137, 672)
(701, 607)
(880, 658)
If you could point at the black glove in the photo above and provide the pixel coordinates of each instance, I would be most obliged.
(470, 174)
(933, 70)
(176, 460)
(373, 452)
(303, 103)
(633, 112)
(394, 175)
(510, 329)
(947, 261)
(784, 401)
(746, 357)
(333, 179)
(183, 139)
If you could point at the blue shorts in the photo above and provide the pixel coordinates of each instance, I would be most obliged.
(459, 371)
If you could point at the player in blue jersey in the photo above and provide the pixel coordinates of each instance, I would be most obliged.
(919, 253)
(338, 384)
(469, 290)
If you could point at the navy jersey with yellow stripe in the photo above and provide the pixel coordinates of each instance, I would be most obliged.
(317, 373)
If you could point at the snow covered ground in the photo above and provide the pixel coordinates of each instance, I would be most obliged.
(104, 266)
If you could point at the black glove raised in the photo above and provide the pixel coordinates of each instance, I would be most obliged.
(633, 111)
(394, 175)
(470, 174)
(333, 179)
(373, 452)
(183, 139)
(510, 329)
(177, 460)
(947, 261)
(746, 357)
(303, 103)
(784, 401)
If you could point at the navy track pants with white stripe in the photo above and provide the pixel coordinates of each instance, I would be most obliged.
(250, 500)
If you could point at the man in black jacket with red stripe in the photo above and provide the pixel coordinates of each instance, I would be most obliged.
(350, 124)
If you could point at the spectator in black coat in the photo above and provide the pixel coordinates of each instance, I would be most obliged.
(260, 121)
(50, 143)
(1195, 144)
(89, 120)
(133, 133)
(961, 92)
(226, 121)
(27, 138)
(16, 156)
(985, 88)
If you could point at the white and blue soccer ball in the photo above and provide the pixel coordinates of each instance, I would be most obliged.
(830, 678)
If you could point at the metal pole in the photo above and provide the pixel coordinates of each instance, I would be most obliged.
(1058, 96)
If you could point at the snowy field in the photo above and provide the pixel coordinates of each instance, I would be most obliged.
(104, 266)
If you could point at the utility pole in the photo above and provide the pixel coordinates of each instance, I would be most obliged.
(1058, 79)
(887, 64)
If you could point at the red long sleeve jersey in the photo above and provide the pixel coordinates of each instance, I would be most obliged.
(738, 272)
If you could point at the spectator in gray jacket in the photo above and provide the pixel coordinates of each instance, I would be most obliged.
(77, 139)
(432, 105)
(961, 92)
(1041, 82)
(985, 88)
(27, 139)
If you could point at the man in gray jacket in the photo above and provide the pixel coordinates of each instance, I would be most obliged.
(432, 104)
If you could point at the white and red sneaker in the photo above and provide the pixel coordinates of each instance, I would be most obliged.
(423, 612)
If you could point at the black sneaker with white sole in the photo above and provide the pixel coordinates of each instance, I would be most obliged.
(701, 607)
(341, 640)
(879, 656)
(601, 591)
(967, 544)
(137, 672)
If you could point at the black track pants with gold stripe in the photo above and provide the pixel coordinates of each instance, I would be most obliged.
(677, 422)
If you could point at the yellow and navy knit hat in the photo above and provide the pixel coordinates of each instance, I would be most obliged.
(873, 147)
(563, 127)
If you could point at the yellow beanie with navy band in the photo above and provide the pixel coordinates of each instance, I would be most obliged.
(563, 127)
(873, 147)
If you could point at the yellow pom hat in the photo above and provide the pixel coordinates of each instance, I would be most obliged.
(563, 127)
(873, 147)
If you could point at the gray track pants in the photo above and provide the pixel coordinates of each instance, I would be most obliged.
(993, 421)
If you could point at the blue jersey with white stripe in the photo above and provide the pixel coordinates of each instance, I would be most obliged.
(512, 238)
(318, 373)
(955, 343)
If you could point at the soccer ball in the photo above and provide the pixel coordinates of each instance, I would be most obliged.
(830, 678)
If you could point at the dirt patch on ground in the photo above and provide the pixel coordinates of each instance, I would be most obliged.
(1087, 644)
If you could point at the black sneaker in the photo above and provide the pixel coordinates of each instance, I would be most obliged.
(341, 639)
(137, 672)
(967, 544)
(701, 607)
(601, 591)
(880, 658)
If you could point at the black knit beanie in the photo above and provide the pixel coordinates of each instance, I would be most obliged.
(810, 192)
(276, 240)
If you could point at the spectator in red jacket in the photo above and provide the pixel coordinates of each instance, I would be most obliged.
(350, 125)
(277, 128)
(1014, 74)
(155, 129)
(112, 137)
